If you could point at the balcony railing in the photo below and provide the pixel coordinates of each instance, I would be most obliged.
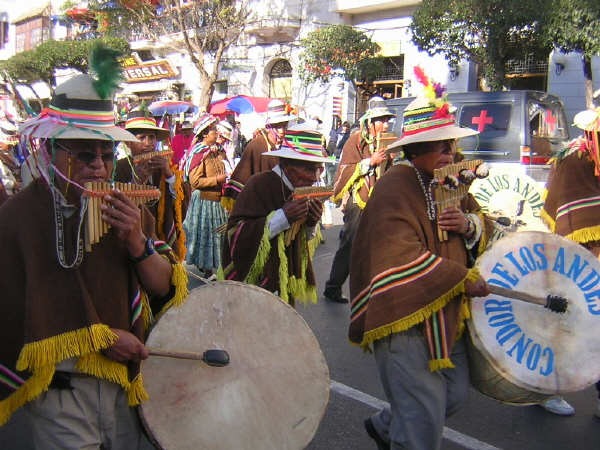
(391, 73)
(526, 66)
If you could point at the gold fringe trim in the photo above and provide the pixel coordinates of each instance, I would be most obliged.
(38, 355)
(161, 210)
(302, 291)
(228, 203)
(40, 358)
(315, 242)
(179, 199)
(262, 255)
(355, 176)
(548, 221)
(439, 364)
(179, 279)
(136, 393)
(33, 387)
(146, 311)
(283, 268)
(102, 367)
(421, 315)
(483, 240)
(585, 235)
(357, 199)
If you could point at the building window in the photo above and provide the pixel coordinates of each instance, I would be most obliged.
(221, 88)
(20, 42)
(280, 81)
(3, 30)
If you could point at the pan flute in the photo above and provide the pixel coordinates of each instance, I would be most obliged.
(452, 185)
(160, 153)
(320, 193)
(95, 227)
(382, 141)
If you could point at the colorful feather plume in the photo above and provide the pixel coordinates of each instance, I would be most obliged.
(105, 65)
(435, 92)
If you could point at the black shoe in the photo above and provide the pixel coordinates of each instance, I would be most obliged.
(336, 297)
(373, 434)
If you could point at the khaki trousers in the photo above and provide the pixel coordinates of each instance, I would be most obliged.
(93, 415)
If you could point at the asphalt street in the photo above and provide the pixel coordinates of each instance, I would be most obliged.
(356, 393)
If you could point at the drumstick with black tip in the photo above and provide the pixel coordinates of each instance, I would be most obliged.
(554, 303)
(215, 358)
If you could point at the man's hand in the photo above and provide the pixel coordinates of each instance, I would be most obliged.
(125, 216)
(453, 219)
(300, 209)
(127, 348)
(315, 211)
(378, 157)
(162, 164)
(478, 289)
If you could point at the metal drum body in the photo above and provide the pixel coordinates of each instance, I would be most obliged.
(528, 345)
(273, 393)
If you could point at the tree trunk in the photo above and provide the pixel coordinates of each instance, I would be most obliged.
(586, 62)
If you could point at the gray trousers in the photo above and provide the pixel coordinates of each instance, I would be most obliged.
(93, 415)
(420, 400)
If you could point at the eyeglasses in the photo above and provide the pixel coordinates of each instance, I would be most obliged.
(88, 157)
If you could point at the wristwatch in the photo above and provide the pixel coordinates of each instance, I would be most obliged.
(148, 251)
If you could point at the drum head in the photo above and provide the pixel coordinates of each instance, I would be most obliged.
(273, 393)
(508, 193)
(533, 347)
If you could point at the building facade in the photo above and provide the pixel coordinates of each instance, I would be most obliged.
(264, 62)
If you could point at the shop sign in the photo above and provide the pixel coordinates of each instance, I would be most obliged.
(148, 71)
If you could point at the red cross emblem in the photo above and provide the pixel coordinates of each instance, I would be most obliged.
(550, 119)
(482, 120)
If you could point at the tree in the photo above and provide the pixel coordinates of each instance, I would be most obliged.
(40, 64)
(489, 33)
(203, 29)
(574, 28)
(340, 51)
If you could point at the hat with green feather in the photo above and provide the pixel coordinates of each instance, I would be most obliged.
(82, 107)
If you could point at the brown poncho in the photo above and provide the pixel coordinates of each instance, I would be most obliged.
(251, 257)
(348, 179)
(51, 313)
(572, 206)
(252, 162)
(169, 212)
(400, 274)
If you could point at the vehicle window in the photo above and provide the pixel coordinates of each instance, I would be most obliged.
(547, 121)
(491, 120)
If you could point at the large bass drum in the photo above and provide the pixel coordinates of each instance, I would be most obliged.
(273, 393)
(513, 200)
(528, 346)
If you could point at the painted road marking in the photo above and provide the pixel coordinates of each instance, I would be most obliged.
(449, 434)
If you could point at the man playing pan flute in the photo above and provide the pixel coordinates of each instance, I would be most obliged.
(170, 210)
(255, 249)
(409, 290)
(267, 139)
(73, 323)
(360, 165)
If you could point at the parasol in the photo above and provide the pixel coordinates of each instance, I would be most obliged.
(162, 107)
(240, 104)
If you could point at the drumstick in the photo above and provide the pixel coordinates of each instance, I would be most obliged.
(554, 303)
(215, 358)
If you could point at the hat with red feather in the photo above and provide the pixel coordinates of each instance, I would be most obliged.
(428, 118)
